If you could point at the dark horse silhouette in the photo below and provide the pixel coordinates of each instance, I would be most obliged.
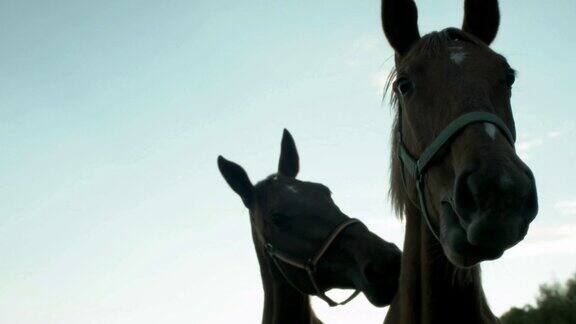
(465, 193)
(294, 221)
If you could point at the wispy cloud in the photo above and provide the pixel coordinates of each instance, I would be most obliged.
(380, 79)
(554, 134)
(558, 239)
(361, 49)
(525, 147)
(550, 239)
(566, 207)
(528, 145)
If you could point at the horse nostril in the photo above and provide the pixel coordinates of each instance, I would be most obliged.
(488, 189)
(494, 206)
(465, 192)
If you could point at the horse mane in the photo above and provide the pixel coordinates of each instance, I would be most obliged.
(429, 45)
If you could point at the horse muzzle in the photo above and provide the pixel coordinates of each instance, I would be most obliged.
(490, 211)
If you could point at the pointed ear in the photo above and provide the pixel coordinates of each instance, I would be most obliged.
(481, 19)
(289, 164)
(237, 180)
(400, 23)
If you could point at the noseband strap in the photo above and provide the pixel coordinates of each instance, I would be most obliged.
(417, 167)
(310, 265)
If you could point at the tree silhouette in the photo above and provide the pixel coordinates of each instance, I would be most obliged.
(556, 304)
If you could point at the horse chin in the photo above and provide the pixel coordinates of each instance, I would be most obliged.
(380, 296)
(457, 248)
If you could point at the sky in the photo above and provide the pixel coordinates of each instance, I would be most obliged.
(112, 114)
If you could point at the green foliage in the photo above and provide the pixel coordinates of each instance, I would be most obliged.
(556, 304)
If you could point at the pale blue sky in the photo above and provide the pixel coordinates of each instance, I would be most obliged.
(112, 115)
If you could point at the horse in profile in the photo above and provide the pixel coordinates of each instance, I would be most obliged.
(455, 175)
(305, 245)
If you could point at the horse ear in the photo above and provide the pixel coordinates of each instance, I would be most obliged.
(481, 19)
(400, 24)
(237, 179)
(289, 164)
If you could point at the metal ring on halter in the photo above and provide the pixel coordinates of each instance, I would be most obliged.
(310, 265)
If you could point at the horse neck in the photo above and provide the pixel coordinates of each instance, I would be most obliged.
(433, 290)
(282, 303)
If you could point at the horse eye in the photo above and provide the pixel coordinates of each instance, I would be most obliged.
(510, 78)
(404, 86)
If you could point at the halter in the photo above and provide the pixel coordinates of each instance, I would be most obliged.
(417, 167)
(310, 265)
